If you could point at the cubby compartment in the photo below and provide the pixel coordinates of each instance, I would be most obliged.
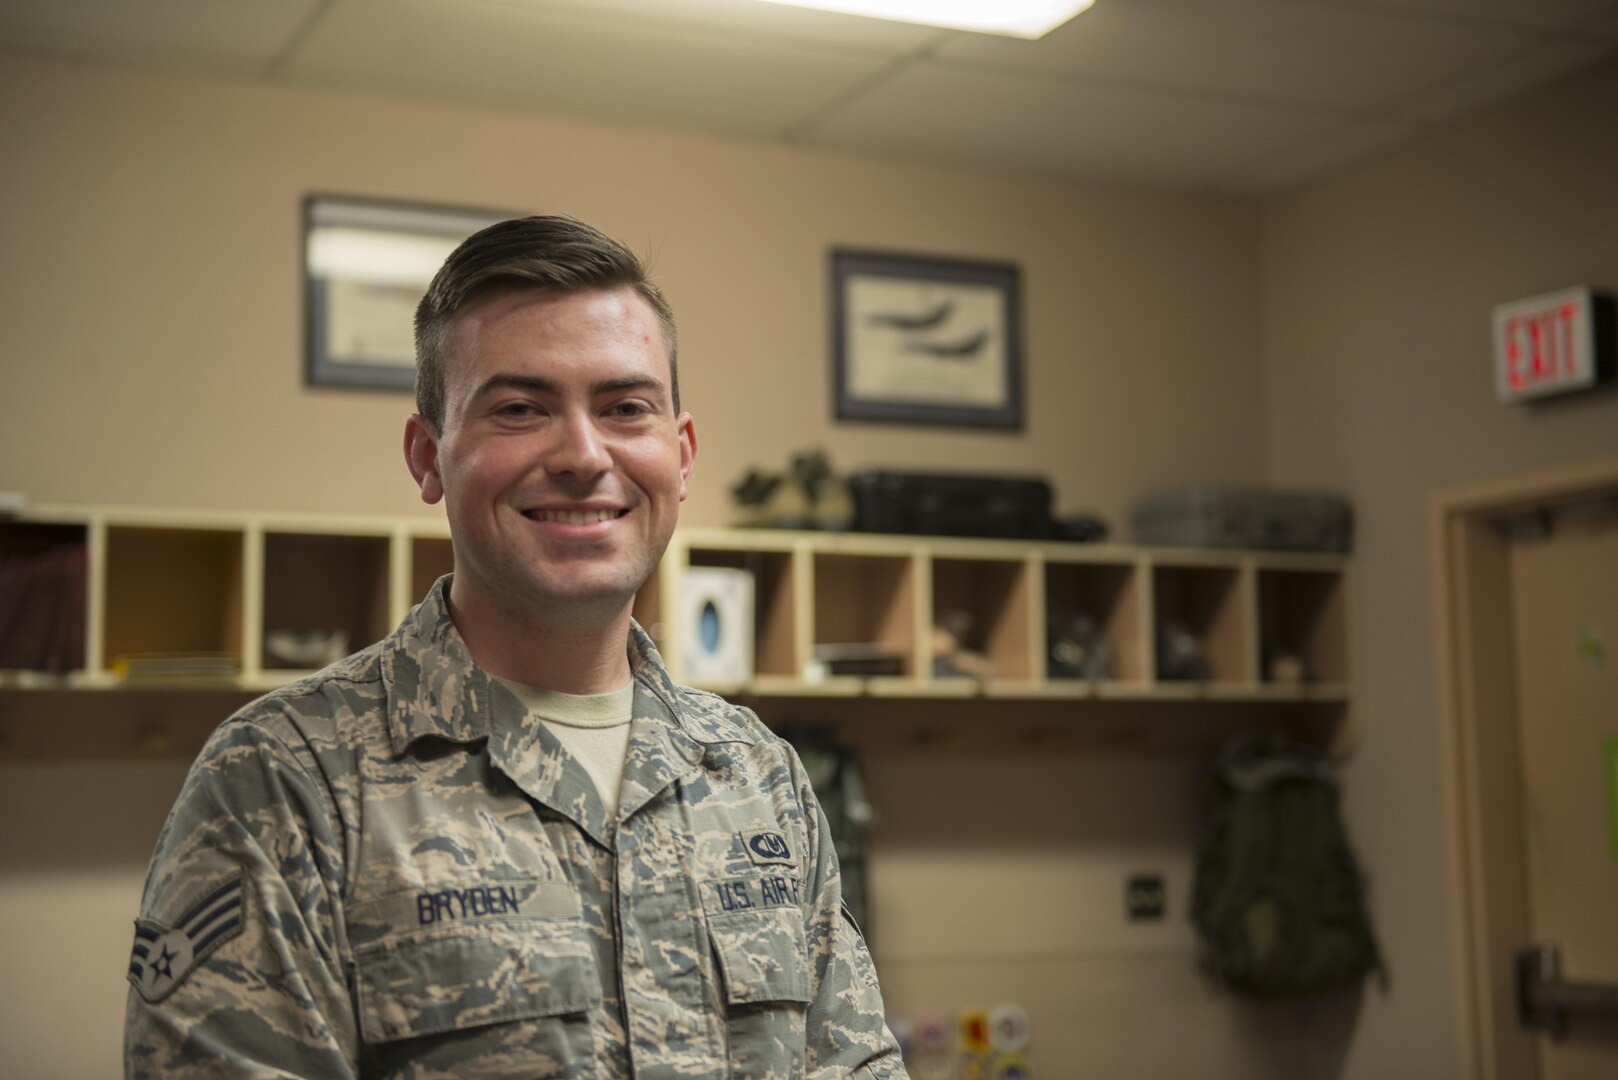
(1199, 623)
(174, 601)
(431, 557)
(865, 614)
(1094, 623)
(44, 568)
(325, 596)
(774, 614)
(981, 619)
(1302, 627)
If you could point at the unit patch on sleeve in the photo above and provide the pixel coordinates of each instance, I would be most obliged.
(767, 848)
(162, 957)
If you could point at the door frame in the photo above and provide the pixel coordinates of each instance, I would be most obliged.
(1486, 853)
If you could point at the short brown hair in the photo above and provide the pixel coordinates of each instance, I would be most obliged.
(551, 251)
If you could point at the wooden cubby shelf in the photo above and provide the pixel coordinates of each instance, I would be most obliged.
(934, 641)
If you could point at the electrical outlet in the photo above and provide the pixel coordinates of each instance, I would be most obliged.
(1145, 898)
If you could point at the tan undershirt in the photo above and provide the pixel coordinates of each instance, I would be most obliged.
(593, 727)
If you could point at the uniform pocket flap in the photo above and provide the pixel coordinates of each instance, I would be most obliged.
(761, 955)
(427, 983)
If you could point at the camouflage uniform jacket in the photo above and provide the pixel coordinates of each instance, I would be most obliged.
(387, 869)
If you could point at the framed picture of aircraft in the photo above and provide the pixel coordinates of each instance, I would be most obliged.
(367, 263)
(925, 340)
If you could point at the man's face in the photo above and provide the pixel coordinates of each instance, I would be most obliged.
(561, 463)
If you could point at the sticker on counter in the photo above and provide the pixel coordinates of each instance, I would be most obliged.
(1008, 1028)
(972, 1032)
(1012, 1067)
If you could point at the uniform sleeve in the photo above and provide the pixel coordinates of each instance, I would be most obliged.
(846, 1029)
(237, 964)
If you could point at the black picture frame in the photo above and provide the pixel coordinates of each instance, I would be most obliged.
(924, 340)
(366, 265)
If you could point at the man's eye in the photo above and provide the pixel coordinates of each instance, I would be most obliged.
(629, 409)
(517, 409)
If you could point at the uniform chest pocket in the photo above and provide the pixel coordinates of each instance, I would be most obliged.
(761, 954)
(427, 983)
(451, 958)
(502, 997)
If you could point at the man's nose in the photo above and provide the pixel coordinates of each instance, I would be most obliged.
(577, 449)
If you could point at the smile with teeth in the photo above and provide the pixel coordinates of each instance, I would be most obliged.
(575, 517)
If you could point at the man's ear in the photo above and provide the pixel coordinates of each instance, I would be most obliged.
(688, 449)
(421, 455)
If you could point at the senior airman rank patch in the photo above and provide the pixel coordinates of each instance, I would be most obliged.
(162, 957)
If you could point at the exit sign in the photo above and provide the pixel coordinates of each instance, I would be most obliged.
(1552, 344)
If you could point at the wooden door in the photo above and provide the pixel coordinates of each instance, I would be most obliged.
(1563, 569)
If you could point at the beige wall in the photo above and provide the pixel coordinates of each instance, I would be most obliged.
(1378, 381)
(152, 299)
(150, 292)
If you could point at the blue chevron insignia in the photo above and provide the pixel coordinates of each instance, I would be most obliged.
(162, 956)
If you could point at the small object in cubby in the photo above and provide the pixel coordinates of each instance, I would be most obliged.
(1284, 667)
(306, 648)
(950, 658)
(42, 609)
(717, 624)
(178, 666)
(1179, 653)
(859, 658)
(1078, 647)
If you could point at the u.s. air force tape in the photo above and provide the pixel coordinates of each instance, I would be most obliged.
(163, 956)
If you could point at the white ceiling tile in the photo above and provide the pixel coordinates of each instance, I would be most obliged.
(946, 113)
(749, 18)
(1242, 95)
(1514, 75)
(1343, 143)
(220, 35)
(511, 57)
(1532, 14)
(1267, 50)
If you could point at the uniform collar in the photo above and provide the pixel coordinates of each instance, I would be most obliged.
(434, 688)
(433, 685)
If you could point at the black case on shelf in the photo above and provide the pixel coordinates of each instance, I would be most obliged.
(943, 504)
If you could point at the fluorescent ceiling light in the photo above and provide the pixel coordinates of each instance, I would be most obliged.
(1013, 18)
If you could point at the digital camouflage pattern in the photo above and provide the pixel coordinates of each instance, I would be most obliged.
(428, 886)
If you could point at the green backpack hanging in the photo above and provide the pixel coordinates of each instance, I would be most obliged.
(834, 773)
(1278, 899)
